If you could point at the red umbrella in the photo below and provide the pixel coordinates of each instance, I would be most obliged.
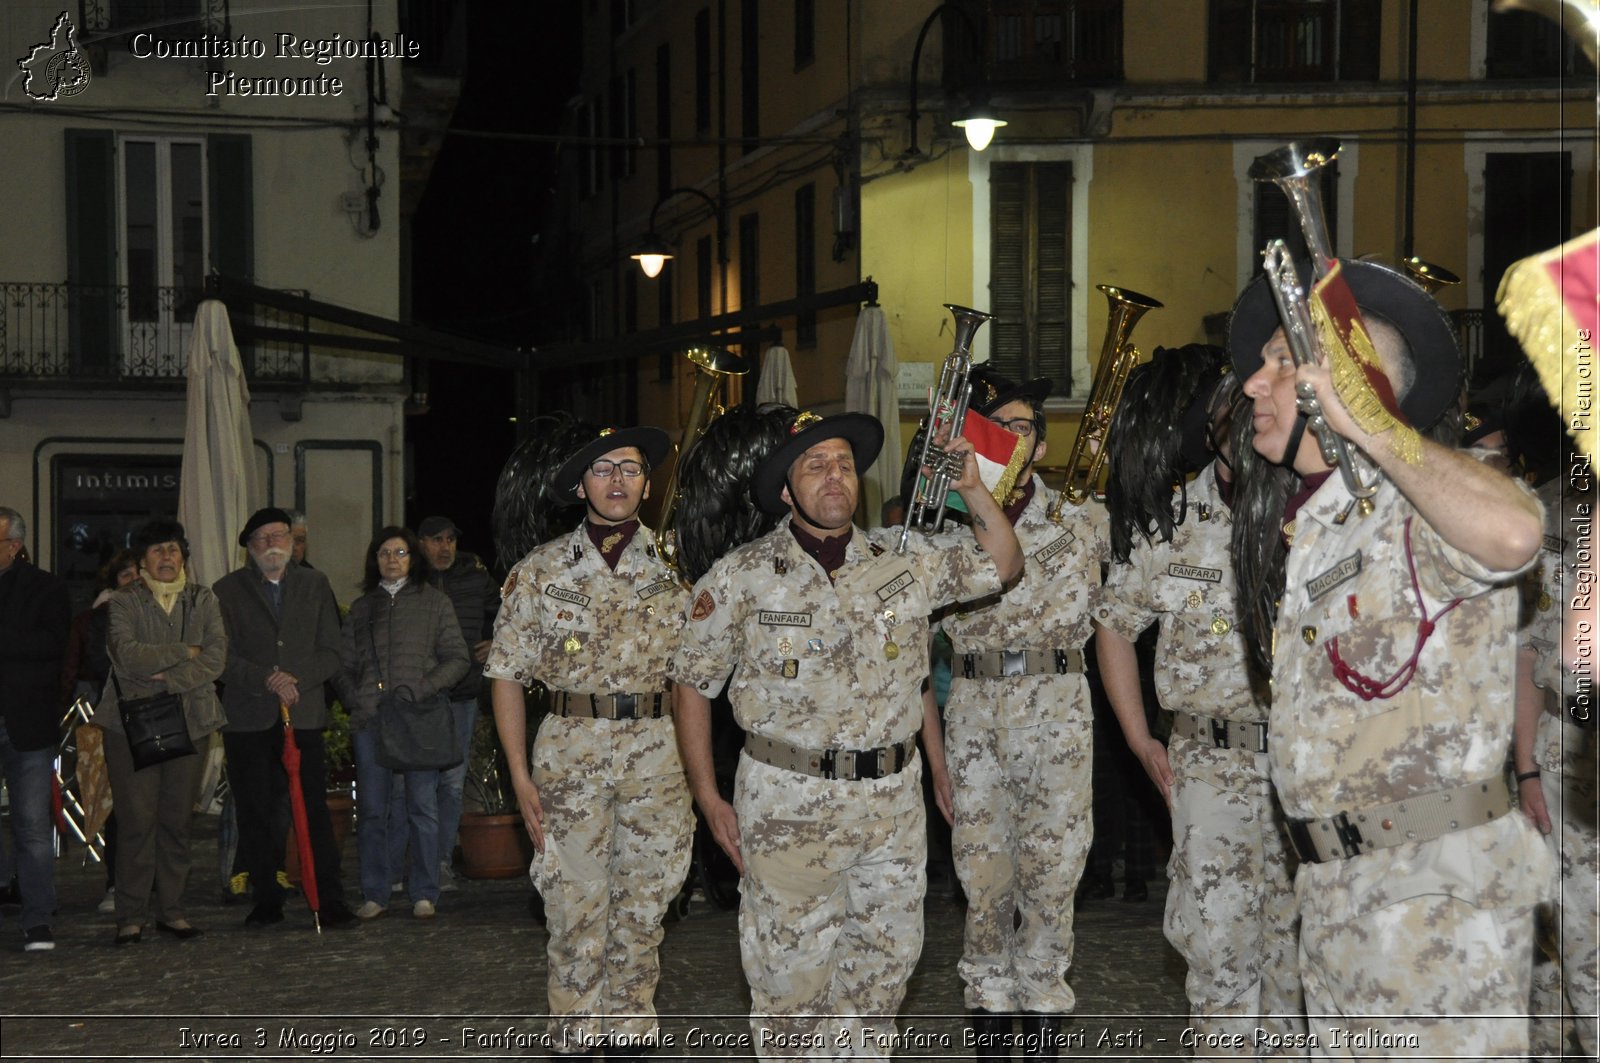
(297, 809)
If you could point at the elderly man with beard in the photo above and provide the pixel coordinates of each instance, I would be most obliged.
(283, 646)
(819, 631)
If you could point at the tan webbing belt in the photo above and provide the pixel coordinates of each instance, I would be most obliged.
(848, 764)
(610, 706)
(1224, 734)
(1416, 819)
(997, 664)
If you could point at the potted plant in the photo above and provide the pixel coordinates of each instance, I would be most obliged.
(494, 841)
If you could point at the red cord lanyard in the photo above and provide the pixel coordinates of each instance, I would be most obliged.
(1369, 689)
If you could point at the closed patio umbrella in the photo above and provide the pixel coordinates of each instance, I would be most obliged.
(869, 387)
(217, 488)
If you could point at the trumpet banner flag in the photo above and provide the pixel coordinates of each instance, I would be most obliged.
(1001, 456)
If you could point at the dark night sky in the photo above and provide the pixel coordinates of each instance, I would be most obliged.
(471, 254)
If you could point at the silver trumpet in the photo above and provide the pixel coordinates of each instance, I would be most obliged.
(1293, 168)
(947, 412)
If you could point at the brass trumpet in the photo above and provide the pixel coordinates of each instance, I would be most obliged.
(717, 369)
(947, 409)
(1117, 359)
(1293, 168)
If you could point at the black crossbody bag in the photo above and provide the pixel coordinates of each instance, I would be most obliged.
(413, 734)
(155, 726)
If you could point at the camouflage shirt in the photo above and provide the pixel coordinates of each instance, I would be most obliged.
(568, 621)
(825, 665)
(1047, 609)
(1187, 586)
(1561, 747)
(1348, 579)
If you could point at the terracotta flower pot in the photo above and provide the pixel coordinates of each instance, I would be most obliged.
(494, 846)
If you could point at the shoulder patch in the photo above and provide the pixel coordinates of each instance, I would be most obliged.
(509, 585)
(704, 606)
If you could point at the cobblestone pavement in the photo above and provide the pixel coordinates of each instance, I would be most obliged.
(470, 983)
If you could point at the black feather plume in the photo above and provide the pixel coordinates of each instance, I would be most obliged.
(716, 511)
(526, 512)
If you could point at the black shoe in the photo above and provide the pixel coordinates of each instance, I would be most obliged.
(991, 1034)
(1041, 1036)
(182, 933)
(337, 914)
(38, 939)
(1135, 891)
(129, 937)
(264, 915)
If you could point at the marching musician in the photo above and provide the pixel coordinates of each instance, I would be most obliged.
(1230, 899)
(1393, 662)
(1019, 746)
(593, 617)
(819, 631)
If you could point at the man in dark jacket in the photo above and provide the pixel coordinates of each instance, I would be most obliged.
(34, 621)
(283, 645)
(476, 597)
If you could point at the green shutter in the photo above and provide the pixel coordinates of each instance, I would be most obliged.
(1008, 267)
(232, 220)
(92, 248)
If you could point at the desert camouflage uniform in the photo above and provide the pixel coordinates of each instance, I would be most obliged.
(1230, 902)
(1427, 939)
(1567, 759)
(1020, 752)
(830, 924)
(618, 821)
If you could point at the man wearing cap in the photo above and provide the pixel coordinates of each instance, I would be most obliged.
(1393, 663)
(1230, 899)
(824, 631)
(470, 588)
(283, 647)
(1019, 746)
(593, 617)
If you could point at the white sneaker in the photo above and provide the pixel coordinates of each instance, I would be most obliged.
(447, 879)
(108, 903)
(369, 910)
(423, 909)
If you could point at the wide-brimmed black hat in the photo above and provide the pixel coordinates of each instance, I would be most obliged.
(862, 431)
(1379, 290)
(650, 442)
(992, 389)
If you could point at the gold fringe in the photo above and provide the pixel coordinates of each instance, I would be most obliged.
(1530, 301)
(1347, 357)
(1008, 476)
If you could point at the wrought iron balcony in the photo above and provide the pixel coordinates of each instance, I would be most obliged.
(92, 335)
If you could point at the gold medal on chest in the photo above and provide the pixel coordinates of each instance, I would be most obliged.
(891, 649)
(572, 645)
(1220, 625)
(1545, 601)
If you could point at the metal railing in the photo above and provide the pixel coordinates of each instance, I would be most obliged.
(113, 334)
(1073, 40)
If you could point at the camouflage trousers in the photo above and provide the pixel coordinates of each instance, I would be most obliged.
(1230, 902)
(1020, 840)
(1430, 976)
(618, 827)
(1570, 800)
(830, 918)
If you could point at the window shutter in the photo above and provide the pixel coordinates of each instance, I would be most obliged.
(232, 202)
(1008, 263)
(91, 247)
(1359, 36)
(1230, 36)
(1052, 276)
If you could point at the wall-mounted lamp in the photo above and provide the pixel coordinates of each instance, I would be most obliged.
(978, 121)
(653, 251)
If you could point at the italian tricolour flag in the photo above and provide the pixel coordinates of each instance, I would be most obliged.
(1001, 456)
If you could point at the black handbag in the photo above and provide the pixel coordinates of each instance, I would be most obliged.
(414, 734)
(155, 726)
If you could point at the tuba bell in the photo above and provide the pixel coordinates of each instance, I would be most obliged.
(716, 369)
(1117, 359)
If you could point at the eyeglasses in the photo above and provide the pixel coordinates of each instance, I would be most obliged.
(393, 555)
(604, 470)
(270, 537)
(1018, 426)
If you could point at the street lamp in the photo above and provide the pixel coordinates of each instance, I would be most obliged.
(978, 121)
(653, 251)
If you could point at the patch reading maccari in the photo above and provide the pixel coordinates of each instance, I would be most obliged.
(320, 51)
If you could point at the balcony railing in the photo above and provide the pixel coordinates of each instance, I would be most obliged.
(1067, 40)
(102, 335)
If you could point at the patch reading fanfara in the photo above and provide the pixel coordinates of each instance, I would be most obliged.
(775, 619)
(1349, 568)
(1053, 547)
(1209, 575)
(562, 594)
(651, 590)
(896, 585)
(704, 606)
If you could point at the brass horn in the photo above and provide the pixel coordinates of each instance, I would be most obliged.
(1117, 359)
(947, 408)
(716, 367)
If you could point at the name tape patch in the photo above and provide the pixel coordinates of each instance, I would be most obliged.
(896, 585)
(1209, 575)
(562, 594)
(776, 619)
(1053, 547)
(656, 588)
(1347, 569)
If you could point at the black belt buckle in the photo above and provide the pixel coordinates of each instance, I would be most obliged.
(627, 706)
(827, 767)
(1300, 838)
(969, 667)
(1061, 662)
(1013, 663)
(868, 764)
(1348, 833)
(1219, 734)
